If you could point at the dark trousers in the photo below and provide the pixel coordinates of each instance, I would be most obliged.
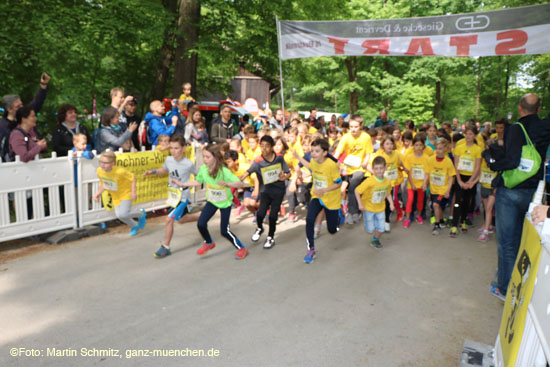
(463, 201)
(208, 212)
(332, 217)
(269, 200)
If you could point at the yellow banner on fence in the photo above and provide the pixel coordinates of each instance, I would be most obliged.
(519, 294)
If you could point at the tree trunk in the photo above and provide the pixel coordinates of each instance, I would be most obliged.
(478, 89)
(187, 36)
(499, 87)
(437, 104)
(351, 65)
(166, 53)
(507, 84)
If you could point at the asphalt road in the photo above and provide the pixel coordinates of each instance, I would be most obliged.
(412, 303)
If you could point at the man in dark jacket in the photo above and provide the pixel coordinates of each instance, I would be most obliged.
(11, 104)
(512, 204)
(222, 128)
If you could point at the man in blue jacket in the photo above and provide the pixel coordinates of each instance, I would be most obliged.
(158, 124)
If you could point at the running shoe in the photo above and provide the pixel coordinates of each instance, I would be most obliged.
(239, 210)
(375, 242)
(256, 236)
(420, 220)
(205, 248)
(436, 230)
(292, 217)
(310, 256)
(241, 254)
(406, 223)
(269, 242)
(432, 220)
(356, 217)
(495, 291)
(453, 232)
(387, 227)
(491, 229)
(399, 217)
(443, 224)
(464, 227)
(349, 219)
(483, 237)
(142, 221)
(163, 252)
(134, 230)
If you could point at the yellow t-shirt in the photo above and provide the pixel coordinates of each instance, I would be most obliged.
(356, 150)
(373, 194)
(292, 163)
(253, 154)
(467, 157)
(242, 160)
(118, 182)
(249, 181)
(393, 163)
(494, 136)
(487, 175)
(428, 151)
(312, 130)
(297, 146)
(480, 141)
(417, 169)
(325, 175)
(245, 145)
(440, 174)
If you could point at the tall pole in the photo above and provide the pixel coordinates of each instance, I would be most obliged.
(280, 65)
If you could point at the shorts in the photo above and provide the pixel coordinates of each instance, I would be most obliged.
(374, 221)
(180, 210)
(439, 199)
(485, 192)
(248, 193)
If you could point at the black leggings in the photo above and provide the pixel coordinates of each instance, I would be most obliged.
(332, 217)
(269, 200)
(463, 201)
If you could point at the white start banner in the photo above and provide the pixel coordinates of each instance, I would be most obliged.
(517, 31)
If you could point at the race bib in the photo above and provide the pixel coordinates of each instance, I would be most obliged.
(215, 193)
(391, 173)
(270, 174)
(174, 197)
(487, 177)
(438, 179)
(109, 184)
(466, 164)
(306, 175)
(320, 182)
(378, 196)
(352, 161)
(417, 173)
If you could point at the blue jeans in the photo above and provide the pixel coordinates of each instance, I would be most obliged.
(510, 208)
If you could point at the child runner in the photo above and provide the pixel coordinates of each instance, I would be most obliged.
(180, 169)
(487, 196)
(467, 159)
(371, 196)
(251, 183)
(272, 172)
(416, 162)
(253, 148)
(121, 184)
(325, 193)
(218, 180)
(440, 176)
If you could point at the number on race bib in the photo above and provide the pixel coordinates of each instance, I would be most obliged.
(109, 184)
(320, 182)
(438, 179)
(216, 194)
(270, 174)
(352, 161)
(417, 173)
(466, 164)
(378, 196)
(391, 173)
(487, 177)
(174, 197)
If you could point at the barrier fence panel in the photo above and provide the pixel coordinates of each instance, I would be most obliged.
(36, 197)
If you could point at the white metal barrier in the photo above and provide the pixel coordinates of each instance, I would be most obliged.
(40, 183)
(43, 183)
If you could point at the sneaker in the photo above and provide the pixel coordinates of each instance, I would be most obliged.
(468, 221)
(420, 220)
(375, 242)
(205, 248)
(316, 231)
(345, 207)
(142, 221)
(239, 210)
(406, 223)
(453, 232)
(464, 227)
(387, 227)
(495, 291)
(437, 230)
(356, 217)
(432, 220)
(491, 229)
(310, 256)
(443, 224)
(163, 252)
(399, 217)
(480, 230)
(269, 242)
(349, 219)
(134, 230)
(292, 217)
(241, 254)
(256, 236)
(483, 237)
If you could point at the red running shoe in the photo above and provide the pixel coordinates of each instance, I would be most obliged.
(205, 248)
(241, 254)
(399, 217)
